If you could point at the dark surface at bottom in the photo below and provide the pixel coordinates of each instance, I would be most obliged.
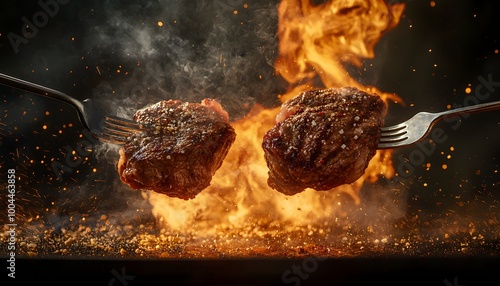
(447, 271)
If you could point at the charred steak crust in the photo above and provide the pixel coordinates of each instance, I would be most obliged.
(323, 139)
(179, 156)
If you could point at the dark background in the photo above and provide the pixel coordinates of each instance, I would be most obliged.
(115, 53)
(204, 50)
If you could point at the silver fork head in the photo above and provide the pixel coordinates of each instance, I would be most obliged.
(407, 132)
(117, 130)
(393, 136)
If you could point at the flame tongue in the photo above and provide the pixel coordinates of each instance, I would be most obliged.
(314, 42)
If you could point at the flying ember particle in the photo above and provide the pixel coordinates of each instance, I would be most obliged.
(160, 23)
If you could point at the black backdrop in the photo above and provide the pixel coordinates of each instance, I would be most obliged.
(115, 52)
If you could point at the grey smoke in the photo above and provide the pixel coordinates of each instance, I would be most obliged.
(202, 50)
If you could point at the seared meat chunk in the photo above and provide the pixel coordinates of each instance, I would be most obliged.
(179, 154)
(323, 139)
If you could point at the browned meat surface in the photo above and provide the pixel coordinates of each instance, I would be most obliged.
(323, 139)
(179, 156)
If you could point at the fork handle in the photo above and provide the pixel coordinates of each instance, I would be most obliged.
(495, 105)
(20, 84)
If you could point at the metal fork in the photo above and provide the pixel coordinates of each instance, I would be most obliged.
(105, 127)
(417, 127)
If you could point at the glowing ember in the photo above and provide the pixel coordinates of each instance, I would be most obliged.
(239, 215)
(315, 41)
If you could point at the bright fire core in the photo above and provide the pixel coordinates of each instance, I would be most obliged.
(315, 42)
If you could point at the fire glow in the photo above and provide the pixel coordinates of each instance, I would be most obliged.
(72, 203)
(315, 41)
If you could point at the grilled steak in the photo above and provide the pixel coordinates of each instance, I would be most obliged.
(179, 156)
(323, 139)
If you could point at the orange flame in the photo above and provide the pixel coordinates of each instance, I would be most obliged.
(315, 41)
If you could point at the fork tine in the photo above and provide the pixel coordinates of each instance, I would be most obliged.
(112, 138)
(119, 128)
(116, 132)
(393, 133)
(122, 123)
(393, 127)
(393, 139)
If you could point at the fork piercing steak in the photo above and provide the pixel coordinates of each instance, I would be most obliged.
(181, 152)
(322, 139)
